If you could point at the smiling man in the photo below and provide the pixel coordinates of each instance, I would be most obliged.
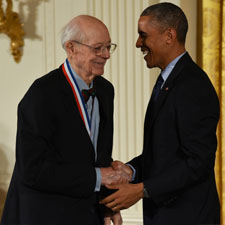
(64, 137)
(174, 175)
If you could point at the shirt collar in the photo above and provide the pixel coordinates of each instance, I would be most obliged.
(81, 83)
(166, 72)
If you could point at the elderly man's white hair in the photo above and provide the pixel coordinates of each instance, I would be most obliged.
(72, 31)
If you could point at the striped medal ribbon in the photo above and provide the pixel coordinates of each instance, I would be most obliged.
(77, 95)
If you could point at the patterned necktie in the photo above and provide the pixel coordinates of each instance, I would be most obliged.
(87, 93)
(157, 87)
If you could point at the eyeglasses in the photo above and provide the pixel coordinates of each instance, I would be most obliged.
(99, 50)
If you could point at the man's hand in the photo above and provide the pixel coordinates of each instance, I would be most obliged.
(124, 170)
(118, 173)
(115, 217)
(126, 196)
(111, 176)
(108, 175)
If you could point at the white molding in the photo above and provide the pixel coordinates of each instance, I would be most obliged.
(132, 222)
(49, 35)
(176, 2)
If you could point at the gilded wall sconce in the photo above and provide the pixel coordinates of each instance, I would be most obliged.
(11, 26)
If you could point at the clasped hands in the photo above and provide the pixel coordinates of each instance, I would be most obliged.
(118, 177)
(118, 173)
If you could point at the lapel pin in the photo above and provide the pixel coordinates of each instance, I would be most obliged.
(166, 88)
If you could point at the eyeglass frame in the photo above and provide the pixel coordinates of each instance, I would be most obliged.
(98, 50)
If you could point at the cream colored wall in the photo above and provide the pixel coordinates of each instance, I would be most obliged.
(133, 82)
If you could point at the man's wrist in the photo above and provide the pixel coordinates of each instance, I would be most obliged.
(145, 192)
(133, 171)
(98, 179)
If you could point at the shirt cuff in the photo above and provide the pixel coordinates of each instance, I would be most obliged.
(134, 171)
(98, 179)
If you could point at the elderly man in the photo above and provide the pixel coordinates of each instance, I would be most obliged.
(175, 172)
(64, 136)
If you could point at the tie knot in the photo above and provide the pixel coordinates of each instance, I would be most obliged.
(87, 93)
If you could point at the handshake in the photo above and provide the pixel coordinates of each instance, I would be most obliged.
(117, 173)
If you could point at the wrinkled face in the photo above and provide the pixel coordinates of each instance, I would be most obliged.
(152, 43)
(85, 60)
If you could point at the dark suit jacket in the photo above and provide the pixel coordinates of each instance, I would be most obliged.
(54, 176)
(177, 163)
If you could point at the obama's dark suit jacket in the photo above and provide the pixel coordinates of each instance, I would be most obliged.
(177, 163)
(54, 176)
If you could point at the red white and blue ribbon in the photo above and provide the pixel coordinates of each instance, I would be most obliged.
(77, 95)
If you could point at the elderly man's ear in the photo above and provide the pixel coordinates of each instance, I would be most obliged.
(69, 48)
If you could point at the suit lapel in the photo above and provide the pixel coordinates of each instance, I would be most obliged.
(154, 108)
(100, 94)
(70, 103)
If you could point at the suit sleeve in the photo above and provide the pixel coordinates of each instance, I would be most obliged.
(40, 166)
(137, 164)
(197, 113)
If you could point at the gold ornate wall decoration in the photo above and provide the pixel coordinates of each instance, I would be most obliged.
(11, 26)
